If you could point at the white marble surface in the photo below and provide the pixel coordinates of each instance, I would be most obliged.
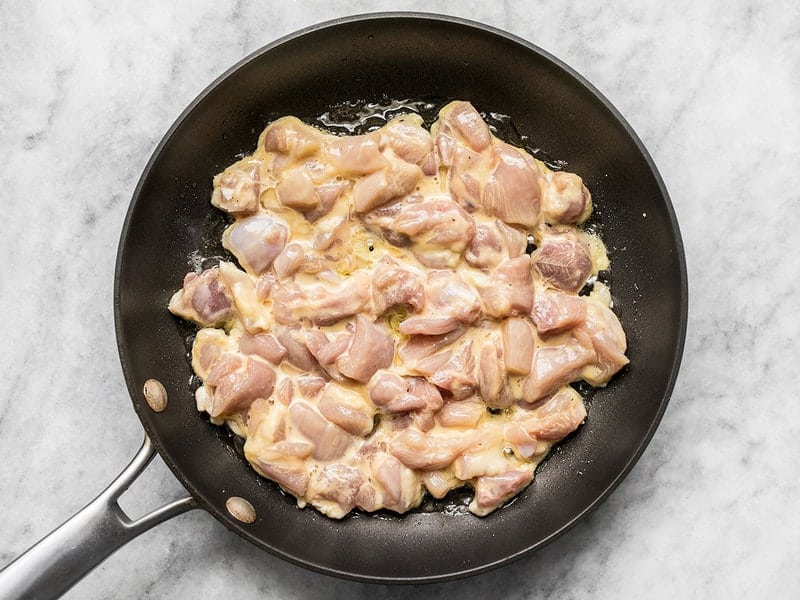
(86, 91)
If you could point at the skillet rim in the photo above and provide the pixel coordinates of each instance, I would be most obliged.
(677, 247)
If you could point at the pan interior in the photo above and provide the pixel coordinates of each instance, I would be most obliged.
(374, 59)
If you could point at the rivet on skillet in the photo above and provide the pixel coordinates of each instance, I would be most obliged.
(155, 395)
(241, 509)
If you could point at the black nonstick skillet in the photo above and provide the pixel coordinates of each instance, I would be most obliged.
(363, 60)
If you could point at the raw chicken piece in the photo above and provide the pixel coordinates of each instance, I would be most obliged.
(356, 155)
(237, 189)
(289, 472)
(516, 241)
(462, 414)
(348, 409)
(439, 227)
(296, 190)
(400, 486)
(324, 347)
(439, 482)
(491, 376)
(563, 261)
(467, 175)
(203, 299)
(264, 345)
(553, 418)
(556, 312)
(294, 449)
(486, 249)
(419, 347)
(209, 344)
(290, 136)
(460, 123)
(565, 200)
(330, 441)
(327, 196)
(486, 173)
(555, 365)
(248, 308)
(525, 444)
(511, 289)
(297, 352)
(264, 286)
(256, 241)
(493, 490)
(396, 394)
(371, 348)
(409, 140)
(494, 243)
(457, 375)
(321, 304)
(334, 489)
(284, 392)
(609, 343)
(417, 450)
(449, 303)
(519, 344)
(396, 180)
(289, 261)
(310, 386)
(266, 421)
(366, 498)
(422, 388)
(389, 391)
(270, 453)
(511, 192)
(396, 285)
(484, 459)
(236, 381)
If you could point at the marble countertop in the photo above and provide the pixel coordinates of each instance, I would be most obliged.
(89, 88)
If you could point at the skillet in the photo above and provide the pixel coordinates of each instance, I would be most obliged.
(360, 61)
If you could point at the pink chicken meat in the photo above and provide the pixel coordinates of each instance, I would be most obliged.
(385, 335)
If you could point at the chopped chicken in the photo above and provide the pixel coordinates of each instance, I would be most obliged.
(553, 418)
(563, 260)
(264, 345)
(371, 348)
(492, 490)
(437, 228)
(356, 155)
(395, 180)
(396, 285)
(510, 289)
(255, 241)
(321, 304)
(235, 381)
(291, 137)
(237, 189)
(519, 344)
(511, 192)
(203, 299)
(409, 140)
(565, 200)
(449, 303)
(348, 409)
(556, 312)
(485, 172)
(404, 318)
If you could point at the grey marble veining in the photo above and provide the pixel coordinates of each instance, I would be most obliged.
(88, 88)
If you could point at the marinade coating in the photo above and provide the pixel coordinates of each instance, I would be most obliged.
(384, 334)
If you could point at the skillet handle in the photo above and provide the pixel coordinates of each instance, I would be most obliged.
(67, 554)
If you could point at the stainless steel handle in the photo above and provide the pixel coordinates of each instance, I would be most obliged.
(67, 554)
